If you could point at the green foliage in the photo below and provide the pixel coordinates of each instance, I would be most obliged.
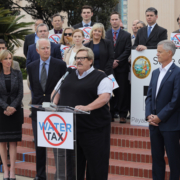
(11, 30)
(44, 9)
(21, 60)
(24, 73)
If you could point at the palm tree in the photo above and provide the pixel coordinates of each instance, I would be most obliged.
(11, 30)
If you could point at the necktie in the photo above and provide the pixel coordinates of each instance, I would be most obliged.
(114, 38)
(43, 77)
(149, 30)
(86, 25)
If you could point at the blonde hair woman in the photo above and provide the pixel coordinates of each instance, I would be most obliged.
(102, 48)
(78, 37)
(11, 116)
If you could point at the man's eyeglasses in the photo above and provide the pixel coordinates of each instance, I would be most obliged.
(69, 34)
(80, 58)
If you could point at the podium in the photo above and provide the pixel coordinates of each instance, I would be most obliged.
(56, 131)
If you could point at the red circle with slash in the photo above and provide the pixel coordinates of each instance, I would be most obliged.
(57, 132)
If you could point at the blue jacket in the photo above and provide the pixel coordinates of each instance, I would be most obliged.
(32, 54)
(167, 103)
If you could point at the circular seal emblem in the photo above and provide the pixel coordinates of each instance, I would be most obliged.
(141, 67)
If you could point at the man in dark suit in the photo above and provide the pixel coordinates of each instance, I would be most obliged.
(163, 113)
(86, 14)
(178, 30)
(42, 32)
(31, 38)
(121, 41)
(44, 74)
(148, 37)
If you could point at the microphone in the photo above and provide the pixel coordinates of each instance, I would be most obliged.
(68, 71)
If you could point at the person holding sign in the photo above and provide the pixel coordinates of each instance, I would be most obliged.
(11, 113)
(102, 49)
(163, 113)
(86, 14)
(57, 22)
(70, 53)
(88, 89)
(66, 39)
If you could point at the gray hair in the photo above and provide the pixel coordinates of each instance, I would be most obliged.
(37, 43)
(141, 22)
(42, 24)
(168, 46)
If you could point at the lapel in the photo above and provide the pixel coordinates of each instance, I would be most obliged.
(111, 36)
(118, 38)
(169, 72)
(50, 74)
(101, 49)
(156, 75)
(152, 33)
(13, 78)
(145, 33)
(36, 72)
(2, 80)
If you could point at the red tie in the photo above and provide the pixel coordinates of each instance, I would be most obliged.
(114, 38)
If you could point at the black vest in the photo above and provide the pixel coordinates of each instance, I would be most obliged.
(83, 91)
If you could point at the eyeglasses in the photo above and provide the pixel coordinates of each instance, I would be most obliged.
(80, 58)
(69, 34)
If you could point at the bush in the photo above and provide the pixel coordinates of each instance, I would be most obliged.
(21, 60)
(24, 73)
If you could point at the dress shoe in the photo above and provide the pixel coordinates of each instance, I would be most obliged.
(116, 115)
(12, 179)
(122, 120)
(128, 117)
(5, 178)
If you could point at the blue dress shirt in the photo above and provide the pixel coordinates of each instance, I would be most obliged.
(46, 66)
(115, 31)
(36, 38)
(85, 23)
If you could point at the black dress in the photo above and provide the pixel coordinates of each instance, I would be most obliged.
(10, 126)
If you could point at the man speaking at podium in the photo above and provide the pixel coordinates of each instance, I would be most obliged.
(88, 89)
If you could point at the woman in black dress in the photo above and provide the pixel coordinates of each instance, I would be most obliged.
(11, 114)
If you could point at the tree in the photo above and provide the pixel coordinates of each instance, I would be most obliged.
(44, 9)
(11, 30)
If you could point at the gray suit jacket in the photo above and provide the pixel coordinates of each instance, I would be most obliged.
(16, 93)
(16, 65)
(177, 31)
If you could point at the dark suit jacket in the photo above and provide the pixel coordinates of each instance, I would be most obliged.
(80, 25)
(122, 50)
(158, 34)
(29, 39)
(167, 101)
(106, 55)
(57, 69)
(177, 31)
(16, 93)
(33, 55)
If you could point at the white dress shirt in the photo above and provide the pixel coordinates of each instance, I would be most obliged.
(151, 26)
(105, 86)
(162, 73)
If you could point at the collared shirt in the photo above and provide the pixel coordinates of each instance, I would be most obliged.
(46, 66)
(83, 23)
(105, 86)
(58, 31)
(116, 31)
(163, 72)
(36, 38)
(151, 26)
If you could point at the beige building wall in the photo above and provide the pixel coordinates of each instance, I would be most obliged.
(168, 11)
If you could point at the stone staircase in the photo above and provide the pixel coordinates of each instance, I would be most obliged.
(130, 155)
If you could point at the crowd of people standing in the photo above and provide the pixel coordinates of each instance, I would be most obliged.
(107, 52)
